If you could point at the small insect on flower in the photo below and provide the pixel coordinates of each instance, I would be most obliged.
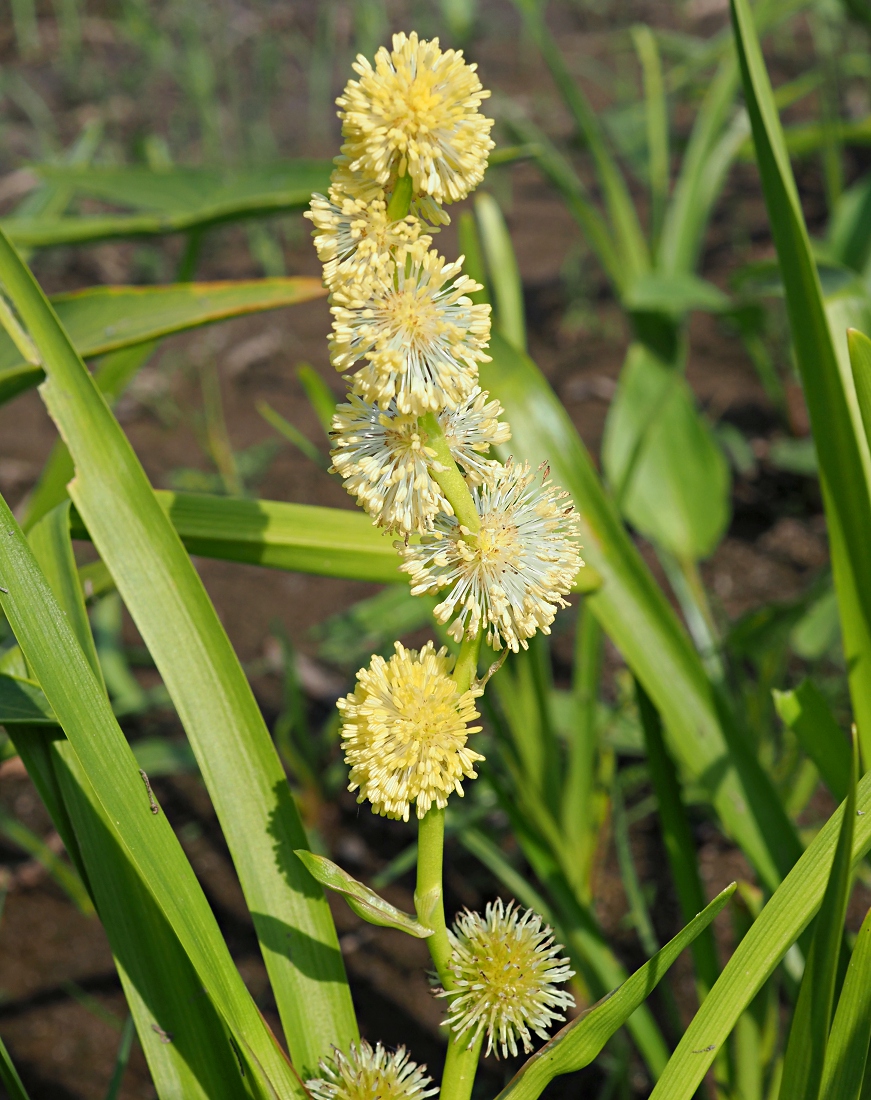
(352, 232)
(371, 1073)
(506, 973)
(417, 329)
(416, 112)
(513, 574)
(404, 732)
(387, 465)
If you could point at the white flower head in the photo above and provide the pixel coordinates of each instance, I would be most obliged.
(417, 112)
(515, 572)
(415, 327)
(370, 1073)
(386, 464)
(404, 732)
(506, 972)
(352, 232)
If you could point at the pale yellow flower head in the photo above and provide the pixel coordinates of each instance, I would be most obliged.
(352, 232)
(512, 576)
(370, 1073)
(417, 112)
(506, 973)
(404, 732)
(386, 464)
(417, 331)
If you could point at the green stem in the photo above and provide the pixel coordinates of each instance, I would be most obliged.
(449, 479)
(460, 1067)
(400, 200)
(428, 895)
(466, 668)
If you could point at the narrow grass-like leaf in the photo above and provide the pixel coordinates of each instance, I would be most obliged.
(860, 360)
(841, 454)
(64, 875)
(634, 255)
(121, 1059)
(9, 1075)
(504, 275)
(23, 701)
(807, 714)
(319, 394)
(104, 319)
(847, 1052)
(146, 840)
(292, 434)
(238, 761)
(677, 837)
(809, 1033)
(365, 902)
(778, 926)
(637, 616)
(578, 1043)
(656, 112)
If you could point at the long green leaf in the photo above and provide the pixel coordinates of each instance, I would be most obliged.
(580, 1041)
(105, 319)
(178, 201)
(677, 837)
(847, 1052)
(807, 714)
(634, 255)
(808, 1036)
(505, 286)
(636, 615)
(778, 926)
(199, 1062)
(303, 538)
(147, 840)
(238, 761)
(837, 433)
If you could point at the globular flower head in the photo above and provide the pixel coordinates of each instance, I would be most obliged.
(506, 974)
(386, 464)
(353, 234)
(513, 574)
(417, 330)
(416, 111)
(404, 732)
(371, 1073)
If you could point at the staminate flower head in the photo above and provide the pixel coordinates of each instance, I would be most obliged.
(387, 465)
(413, 323)
(416, 112)
(370, 1073)
(353, 236)
(404, 732)
(506, 973)
(514, 573)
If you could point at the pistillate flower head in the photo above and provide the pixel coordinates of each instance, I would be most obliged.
(371, 1073)
(386, 464)
(514, 573)
(404, 732)
(416, 112)
(506, 971)
(417, 329)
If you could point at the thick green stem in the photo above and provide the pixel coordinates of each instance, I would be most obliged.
(448, 477)
(428, 895)
(400, 200)
(460, 1067)
(466, 668)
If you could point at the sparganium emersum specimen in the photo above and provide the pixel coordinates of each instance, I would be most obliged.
(512, 575)
(371, 1073)
(506, 971)
(404, 732)
(416, 112)
(386, 464)
(413, 324)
